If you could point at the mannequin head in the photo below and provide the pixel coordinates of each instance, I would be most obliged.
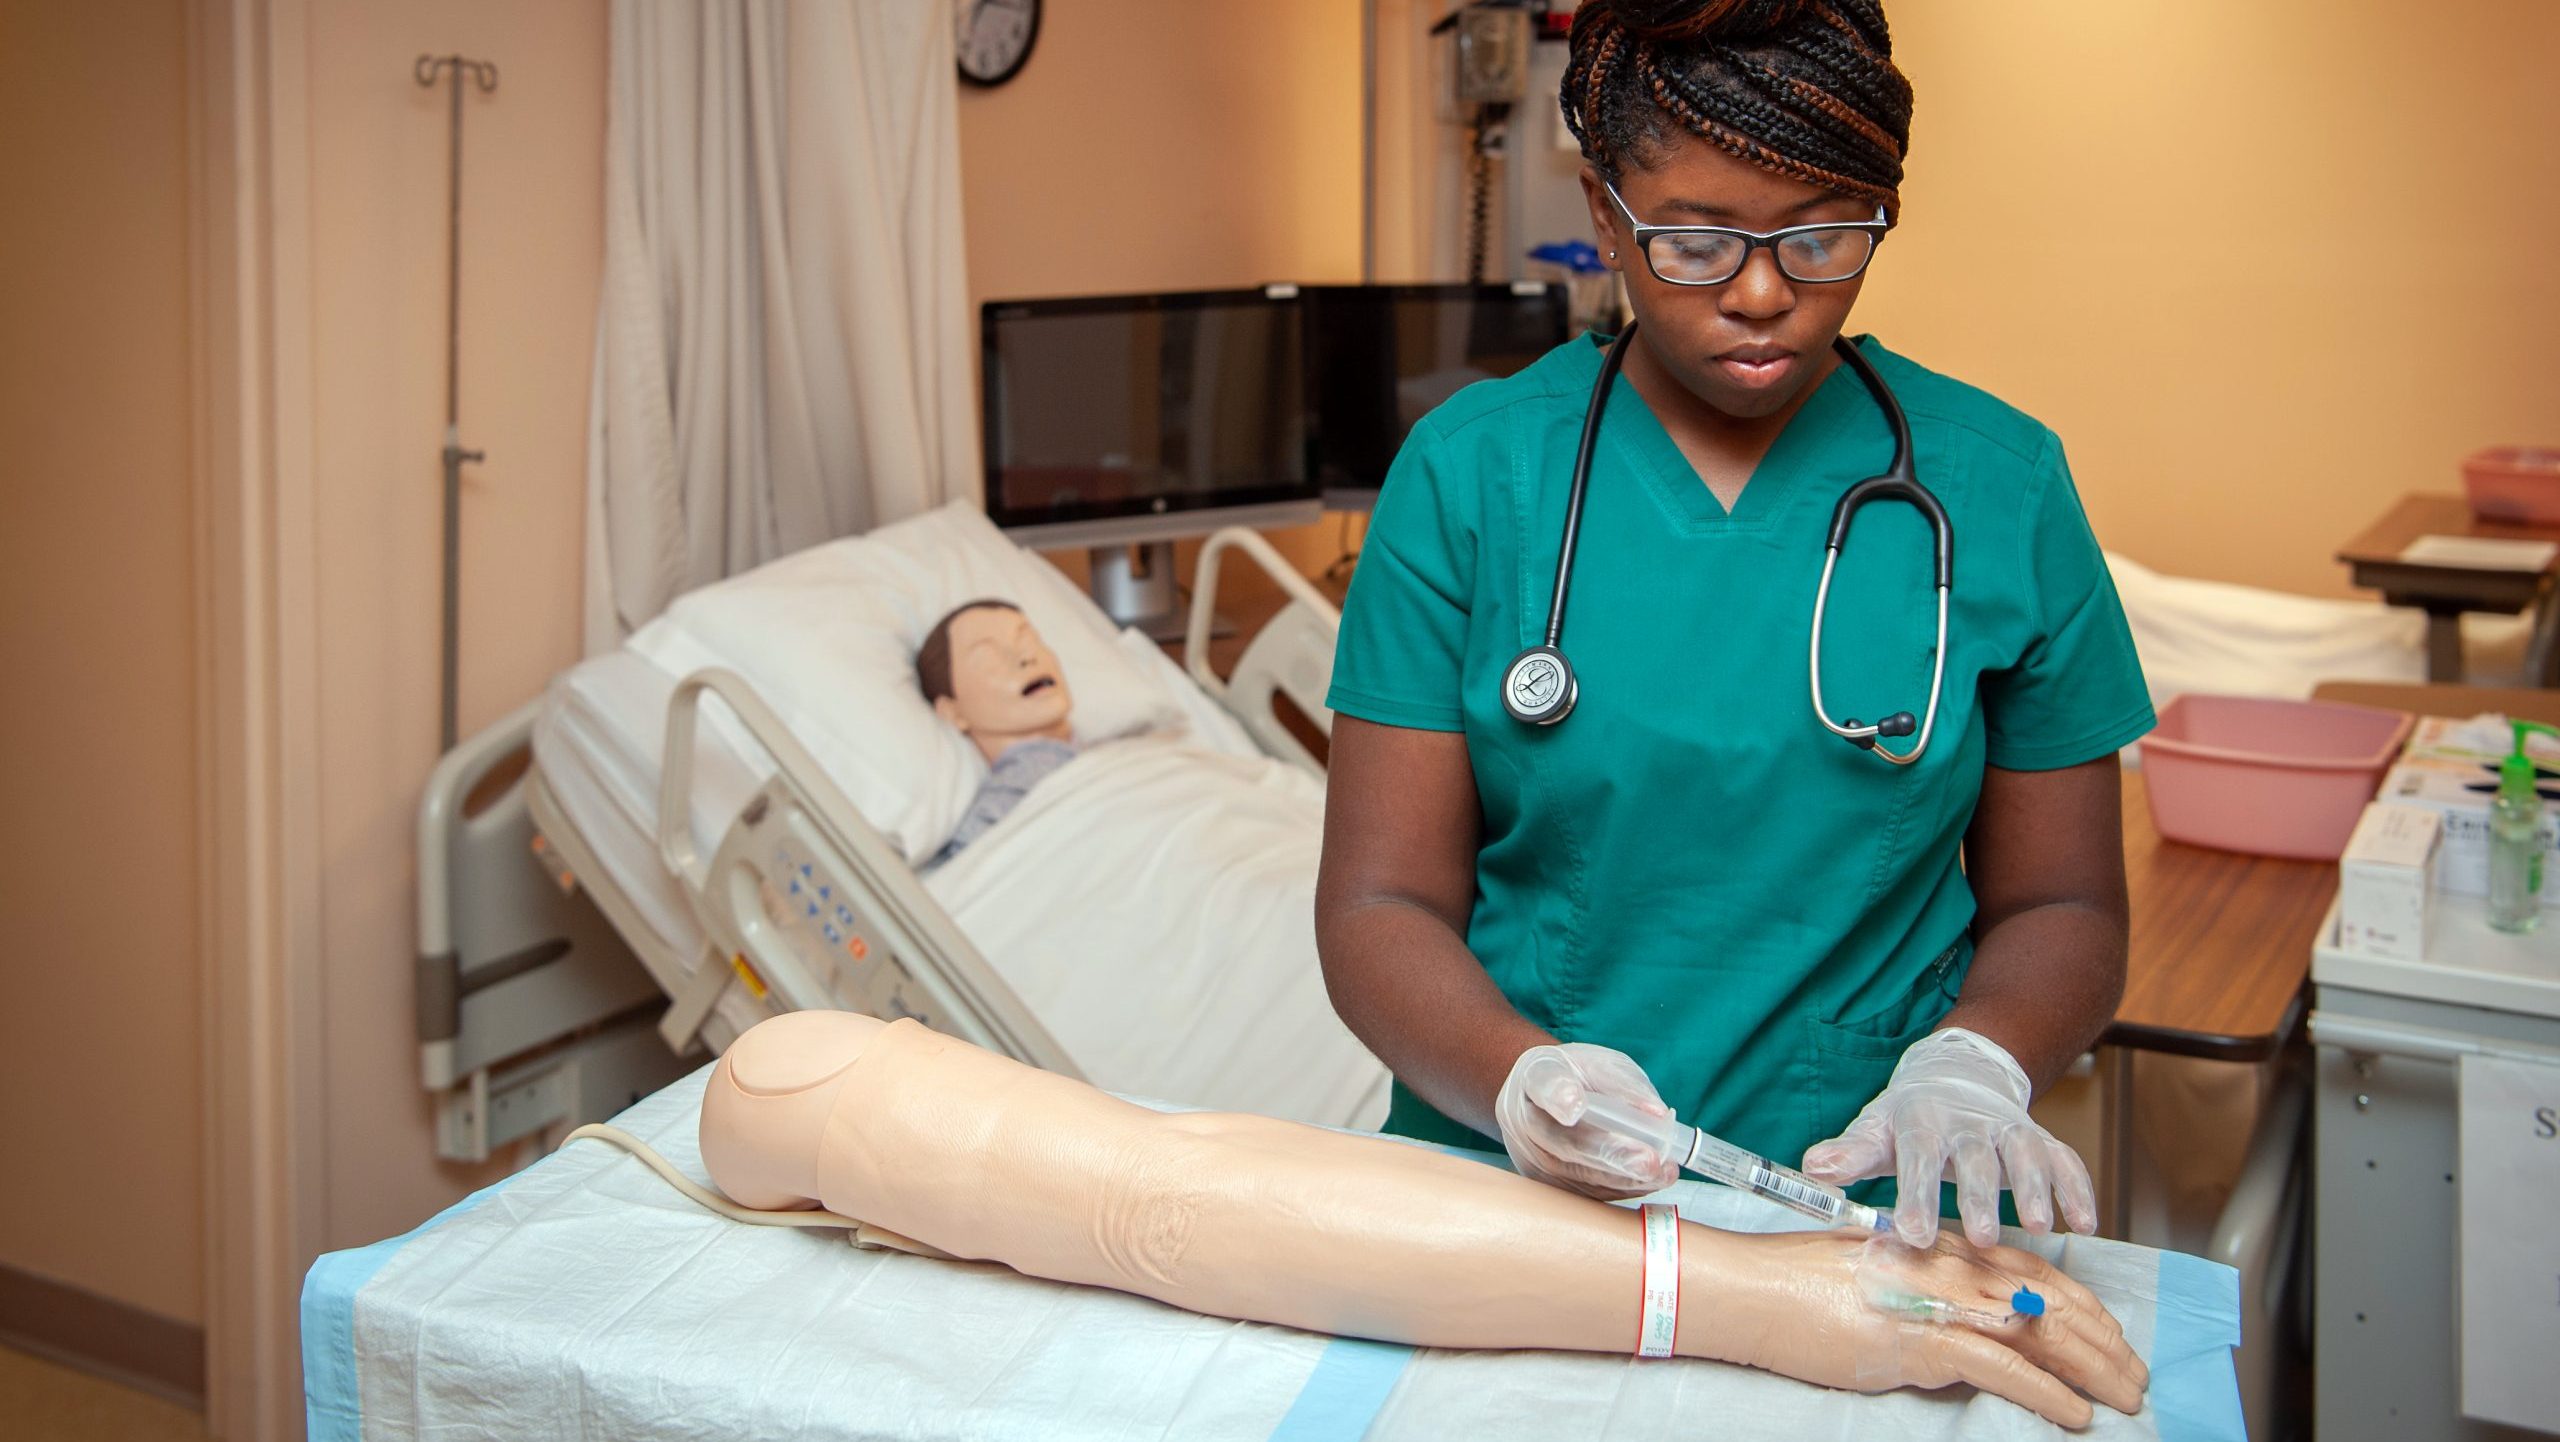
(987, 672)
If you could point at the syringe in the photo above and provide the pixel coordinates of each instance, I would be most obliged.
(1721, 1161)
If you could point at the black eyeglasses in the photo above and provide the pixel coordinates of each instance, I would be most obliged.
(1817, 254)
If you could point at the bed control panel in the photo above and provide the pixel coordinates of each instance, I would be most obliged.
(800, 928)
(814, 910)
(806, 907)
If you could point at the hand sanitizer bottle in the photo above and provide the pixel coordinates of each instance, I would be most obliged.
(2515, 839)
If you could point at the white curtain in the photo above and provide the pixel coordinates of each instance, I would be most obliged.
(782, 344)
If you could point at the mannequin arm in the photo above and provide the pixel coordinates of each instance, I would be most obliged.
(1249, 1217)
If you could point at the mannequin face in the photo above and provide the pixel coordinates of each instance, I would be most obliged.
(1006, 685)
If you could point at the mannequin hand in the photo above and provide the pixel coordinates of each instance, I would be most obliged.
(1956, 1108)
(1838, 1309)
(1539, 1110)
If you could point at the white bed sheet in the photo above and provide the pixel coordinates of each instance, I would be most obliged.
(2230, 640)
(1153, 902)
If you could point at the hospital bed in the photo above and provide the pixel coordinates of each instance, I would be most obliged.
(641, 864)
(585, 1298)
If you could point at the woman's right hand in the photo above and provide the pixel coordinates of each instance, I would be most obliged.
(1845, 1310)
(1539, 1110)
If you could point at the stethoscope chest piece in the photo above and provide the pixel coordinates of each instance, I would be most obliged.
(1539, 687)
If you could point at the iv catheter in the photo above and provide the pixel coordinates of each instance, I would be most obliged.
(1721, 1161)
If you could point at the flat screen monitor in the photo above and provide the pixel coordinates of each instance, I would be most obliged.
(1380, 357)
(1140, 409)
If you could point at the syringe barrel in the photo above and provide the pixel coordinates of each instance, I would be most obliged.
(1713, 1157)
(1668, 1136)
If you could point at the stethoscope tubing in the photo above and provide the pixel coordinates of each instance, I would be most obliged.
(1897, 483)
(1582, 453)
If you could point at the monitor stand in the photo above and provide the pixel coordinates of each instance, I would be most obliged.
(1134, 587)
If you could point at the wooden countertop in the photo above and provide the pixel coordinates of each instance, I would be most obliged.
(2221, 943)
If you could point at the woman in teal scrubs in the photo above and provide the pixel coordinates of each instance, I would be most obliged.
(1688, 894)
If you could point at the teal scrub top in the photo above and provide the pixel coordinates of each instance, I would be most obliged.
(1689, 868)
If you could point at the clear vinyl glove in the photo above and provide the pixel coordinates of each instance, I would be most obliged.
(1540, 1107)
(1956, 1109)
(1868, 1314)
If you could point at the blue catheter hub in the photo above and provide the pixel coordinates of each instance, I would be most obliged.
(2026, 1303)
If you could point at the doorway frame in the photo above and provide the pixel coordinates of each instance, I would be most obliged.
(256, 647)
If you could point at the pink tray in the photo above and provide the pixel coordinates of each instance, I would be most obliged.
(2519, 484)
(2272, 778)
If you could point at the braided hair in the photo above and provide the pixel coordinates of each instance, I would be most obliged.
(1804, 88)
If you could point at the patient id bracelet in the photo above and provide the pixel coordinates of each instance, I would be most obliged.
(1659, 1326)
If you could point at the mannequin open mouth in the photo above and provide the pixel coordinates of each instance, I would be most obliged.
(1038, 684)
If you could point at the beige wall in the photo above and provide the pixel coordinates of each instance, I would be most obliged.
(1168, 145)
(2193, 237)
(2264, 266)
(532, 236)
(99, 1111)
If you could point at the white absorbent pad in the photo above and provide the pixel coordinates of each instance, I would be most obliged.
(584, 1299)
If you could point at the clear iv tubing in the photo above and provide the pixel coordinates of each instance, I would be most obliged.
(1721, 1161)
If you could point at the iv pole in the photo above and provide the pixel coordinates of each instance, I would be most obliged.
(484, 74)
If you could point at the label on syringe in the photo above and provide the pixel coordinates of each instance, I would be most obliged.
(1795, 1191)
(1731, 1165)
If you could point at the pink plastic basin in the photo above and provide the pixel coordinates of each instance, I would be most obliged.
(2272, 778)
(2514, 483)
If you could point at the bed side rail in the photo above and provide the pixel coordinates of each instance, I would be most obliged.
(809, 907)
(509, 957)
(1292, 655)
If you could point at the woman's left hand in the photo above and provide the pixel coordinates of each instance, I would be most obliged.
(1956, 1109)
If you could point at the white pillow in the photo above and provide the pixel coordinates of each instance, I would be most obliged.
(828, 638)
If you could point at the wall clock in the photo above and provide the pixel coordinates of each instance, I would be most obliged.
(995, 38)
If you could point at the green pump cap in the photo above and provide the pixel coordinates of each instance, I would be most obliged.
(2515, 774)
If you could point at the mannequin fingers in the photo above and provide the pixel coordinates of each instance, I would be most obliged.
(2030, 1181)
(1920, 1162)
(2113, 1375)
(1996, 1368)
(1977, 1168)
(2071, 1306)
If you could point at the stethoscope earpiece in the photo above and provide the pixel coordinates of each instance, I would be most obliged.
(1539, 688)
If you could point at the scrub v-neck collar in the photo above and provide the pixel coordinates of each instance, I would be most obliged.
(1791, 465)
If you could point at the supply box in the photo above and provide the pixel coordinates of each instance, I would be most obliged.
(2384, 879)
(2459, 792)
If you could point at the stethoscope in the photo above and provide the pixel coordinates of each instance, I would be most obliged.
(1539, 687)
